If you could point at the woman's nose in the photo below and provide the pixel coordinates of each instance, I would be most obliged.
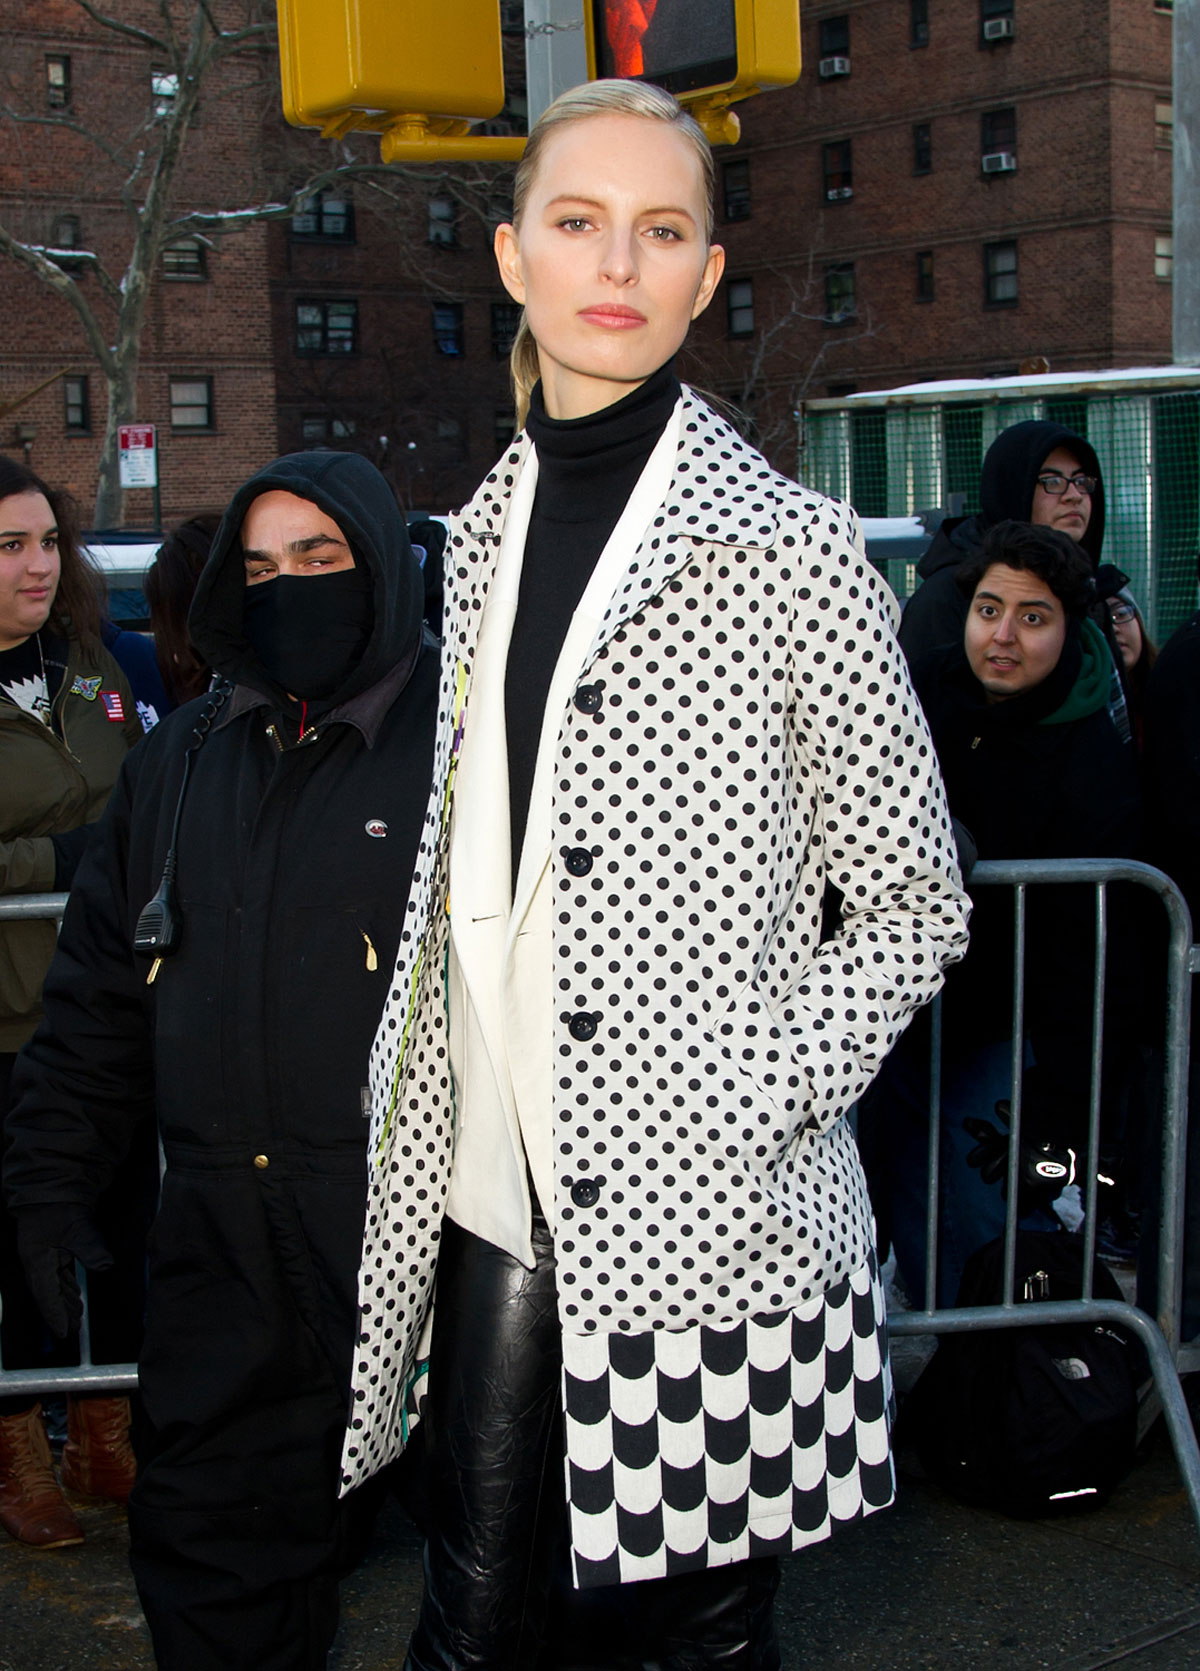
(619, 262)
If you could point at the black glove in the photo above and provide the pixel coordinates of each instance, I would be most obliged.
(1043, 1172)
(49, 1241)
(69, 848)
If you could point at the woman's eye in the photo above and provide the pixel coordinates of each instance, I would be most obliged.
(573, 223)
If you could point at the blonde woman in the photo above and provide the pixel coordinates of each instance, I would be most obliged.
(673, 716)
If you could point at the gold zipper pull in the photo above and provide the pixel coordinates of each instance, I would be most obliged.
(975, 741)
(154, 968)
(372, 960)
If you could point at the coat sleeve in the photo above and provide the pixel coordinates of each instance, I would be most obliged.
(85, 1080)
(27, 865)
(815, 1023)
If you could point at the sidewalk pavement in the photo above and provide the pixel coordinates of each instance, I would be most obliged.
(927, 1585)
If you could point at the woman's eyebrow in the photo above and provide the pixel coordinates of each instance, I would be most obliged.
(594, 203)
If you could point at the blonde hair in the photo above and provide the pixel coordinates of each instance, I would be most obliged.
(577, 104)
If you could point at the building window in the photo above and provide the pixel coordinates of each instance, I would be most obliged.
(326, 327)
(918, 22)
(164, 90)
(834, 35)
(506, 319)
(922, 147)
(739, 307)
(191, 403)
(318, 427)
(65, 234)
(996, 22)
(325, 217)
(58, 81)
(1164, 5)
(735, 178)
(77, 409)
(504, 427)
(450, 437)
(998, 130)
(448, 328)
(443, 221)
(1164, 256)
(924, 275)
(185, 259)
(1000, 274)
(840, 305)
(1164, 124)
(837, 172)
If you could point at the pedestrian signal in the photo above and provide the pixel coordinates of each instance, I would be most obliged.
(709, 53)
(413, 72)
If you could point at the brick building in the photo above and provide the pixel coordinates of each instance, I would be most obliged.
(82, 102)
(953, 188)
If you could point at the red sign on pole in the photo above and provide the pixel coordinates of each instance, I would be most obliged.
(139, 455)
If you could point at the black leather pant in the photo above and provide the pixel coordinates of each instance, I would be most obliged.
(497, 1588)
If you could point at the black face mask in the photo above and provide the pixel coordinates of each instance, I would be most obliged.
(310, 631)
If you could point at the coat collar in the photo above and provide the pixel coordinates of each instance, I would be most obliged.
(720, 494)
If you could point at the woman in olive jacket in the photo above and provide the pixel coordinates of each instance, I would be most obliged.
(67, 720)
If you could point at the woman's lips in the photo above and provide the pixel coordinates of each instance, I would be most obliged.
(614, 316)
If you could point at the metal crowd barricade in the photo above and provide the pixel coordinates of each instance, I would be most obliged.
(1160, 1336)
(86, 1376)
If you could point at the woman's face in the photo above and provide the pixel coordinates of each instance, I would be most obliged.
(611, 261)
(1015, 632)
(1127, 632)
(29, 566)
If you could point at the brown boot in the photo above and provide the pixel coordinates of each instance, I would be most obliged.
(97, 1459)
(32, 1508)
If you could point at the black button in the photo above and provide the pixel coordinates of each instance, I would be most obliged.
(588, 699)
(583, 1025)
(578, 860)
(585, 1193)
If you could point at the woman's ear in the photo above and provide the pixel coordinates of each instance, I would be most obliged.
(713, 268)
(508, 259)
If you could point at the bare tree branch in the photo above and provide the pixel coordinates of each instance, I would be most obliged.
(172, 40)
(63, 122)
(120, 28)
(65, 287)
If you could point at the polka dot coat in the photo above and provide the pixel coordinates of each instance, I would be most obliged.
(742, 740)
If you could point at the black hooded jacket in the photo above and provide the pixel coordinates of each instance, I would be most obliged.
(294, 863)
(1042, 775)
(937, 612)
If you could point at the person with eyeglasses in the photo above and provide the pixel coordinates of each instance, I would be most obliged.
(1136, 648)
(1035, 472)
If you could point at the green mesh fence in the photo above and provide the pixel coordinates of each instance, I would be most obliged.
(896, 459)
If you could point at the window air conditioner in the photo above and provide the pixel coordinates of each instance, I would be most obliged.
(998, 29)
(838, 194)
(829, 67)
(999, 162)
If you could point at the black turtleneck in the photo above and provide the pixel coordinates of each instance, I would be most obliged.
(587, 468)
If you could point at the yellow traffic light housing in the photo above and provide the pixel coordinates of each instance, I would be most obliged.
(416, 73)
(709, 53)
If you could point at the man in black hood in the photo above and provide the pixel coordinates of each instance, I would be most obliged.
(272, 826)
(1011, 489)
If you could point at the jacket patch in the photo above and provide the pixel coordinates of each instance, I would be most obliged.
(375, 827)
(113, 706)
(89, 689)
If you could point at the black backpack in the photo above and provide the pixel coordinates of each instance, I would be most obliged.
(1030, 1421)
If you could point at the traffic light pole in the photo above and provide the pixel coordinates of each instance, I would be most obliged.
(555, 51)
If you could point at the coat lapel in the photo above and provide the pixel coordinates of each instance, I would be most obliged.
(718, 496)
